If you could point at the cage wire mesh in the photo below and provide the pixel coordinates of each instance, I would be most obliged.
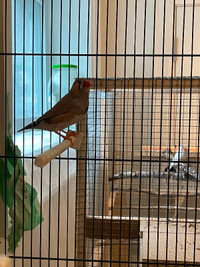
(130, 195)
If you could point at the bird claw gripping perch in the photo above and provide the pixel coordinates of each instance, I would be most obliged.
(68, 135)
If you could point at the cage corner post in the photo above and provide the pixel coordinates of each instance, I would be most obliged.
(2, 112)
(5, 87)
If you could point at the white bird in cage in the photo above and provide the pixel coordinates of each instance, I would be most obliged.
(69, 110)
(180, 155)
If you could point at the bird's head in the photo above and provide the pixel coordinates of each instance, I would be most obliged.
(81, 87)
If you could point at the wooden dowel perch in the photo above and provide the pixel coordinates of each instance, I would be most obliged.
(5, 261)
(52, 153)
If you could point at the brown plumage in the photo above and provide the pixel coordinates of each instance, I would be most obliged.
(69, 110)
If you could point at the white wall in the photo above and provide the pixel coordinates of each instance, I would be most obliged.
(133, 39)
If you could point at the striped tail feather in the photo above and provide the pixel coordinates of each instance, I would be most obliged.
(32, 125)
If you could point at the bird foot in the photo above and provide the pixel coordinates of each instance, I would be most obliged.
(68, 135)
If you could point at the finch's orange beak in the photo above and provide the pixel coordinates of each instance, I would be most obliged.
(87, 84)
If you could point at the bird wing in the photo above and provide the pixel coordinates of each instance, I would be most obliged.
(67, 105)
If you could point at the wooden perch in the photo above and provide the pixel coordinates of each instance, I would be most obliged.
(5, 261)
(184, 173)
(52, 153)
(145, 174)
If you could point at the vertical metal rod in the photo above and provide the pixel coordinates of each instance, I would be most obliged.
(114, 127)
(24, 96)
(32, 168)
(67, 204)
(161, 123)
(180, 123)
(105, 130)
(41, 173)
(59, 162)
(123, 128)
(151, 130)
(50, 166)
(189, 131)
(14, 117)
(77, 167)
(142, 116)
(170, 122)
(78, 191)
(79, 35)
(95, 129)
(197, 184)
(133, 130)
(86, 140)
(6, 120)
(197, 180)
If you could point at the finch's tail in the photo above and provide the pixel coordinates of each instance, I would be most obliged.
(30, 126)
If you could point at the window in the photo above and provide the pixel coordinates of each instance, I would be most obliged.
(36, 28)
(27, 70)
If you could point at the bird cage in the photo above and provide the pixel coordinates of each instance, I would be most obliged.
(124, 188)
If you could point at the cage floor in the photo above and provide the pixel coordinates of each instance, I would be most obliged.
(177, 245)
